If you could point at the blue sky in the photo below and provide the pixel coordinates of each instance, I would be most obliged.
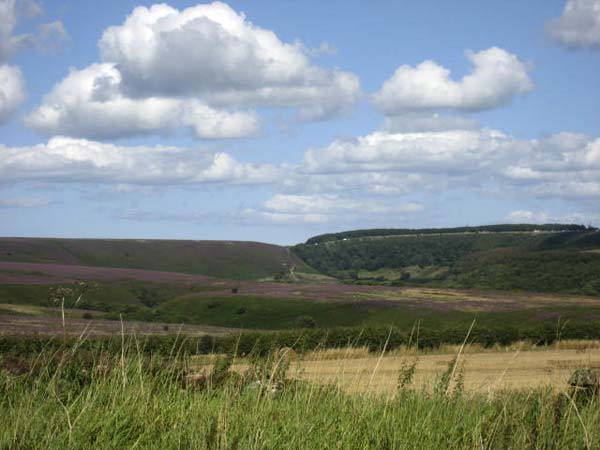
(275, 121)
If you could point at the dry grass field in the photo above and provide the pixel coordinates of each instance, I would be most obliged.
(521, 367)
(483, 371)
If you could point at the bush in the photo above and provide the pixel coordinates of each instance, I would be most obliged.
(305, 322)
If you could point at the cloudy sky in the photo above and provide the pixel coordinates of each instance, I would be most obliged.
(275, 121)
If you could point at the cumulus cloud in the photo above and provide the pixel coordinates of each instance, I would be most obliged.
(578, 26)
(212, 50)
(497, 77)
(12, 90)
(361, 183)
(201, 67)
(78, 160)
(90, 103)
(12, 86)
(446, 152)
(326, 208)
(564, 165)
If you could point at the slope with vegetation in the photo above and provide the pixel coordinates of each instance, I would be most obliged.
(222, 259)
(554, 258)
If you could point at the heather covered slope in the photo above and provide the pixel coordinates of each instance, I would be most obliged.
(222, 259)
(523, 257)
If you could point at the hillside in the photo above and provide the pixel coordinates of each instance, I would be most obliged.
(222, 259)
(554, 258)
(502, 228)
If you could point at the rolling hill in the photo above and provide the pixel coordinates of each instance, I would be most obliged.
(553, 258)
(222, 259)
(394, 278)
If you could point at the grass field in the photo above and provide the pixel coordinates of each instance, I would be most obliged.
(271, 306)
(76, 400)
(488, 372)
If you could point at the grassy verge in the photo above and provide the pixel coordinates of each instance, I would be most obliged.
(78, 400)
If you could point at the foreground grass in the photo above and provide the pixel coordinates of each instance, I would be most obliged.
(73, 400)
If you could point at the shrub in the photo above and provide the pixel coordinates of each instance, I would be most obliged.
(305, 322)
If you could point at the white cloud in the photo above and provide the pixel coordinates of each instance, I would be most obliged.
(496, 78)
(324, 48)
(90, 103)
(361, 183)
(540, 217)
(30, 8)
(579, 24)
(210, 123)
(327, 208)
(445, 152)
(212, 51)
(564, 165)
(12, 86)
(199, 68)
(24, 202)
(78, 160)
(419, 122)
(51, 36)
(524, 216)
(9, 43)
(12, 90)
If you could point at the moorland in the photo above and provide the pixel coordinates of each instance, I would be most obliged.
(473, 337)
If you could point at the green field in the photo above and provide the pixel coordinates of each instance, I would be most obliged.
(281, 313)
(172, 303)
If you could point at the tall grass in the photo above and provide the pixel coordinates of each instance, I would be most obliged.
(78, 399)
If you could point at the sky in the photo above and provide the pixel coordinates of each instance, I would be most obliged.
(275, 121)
